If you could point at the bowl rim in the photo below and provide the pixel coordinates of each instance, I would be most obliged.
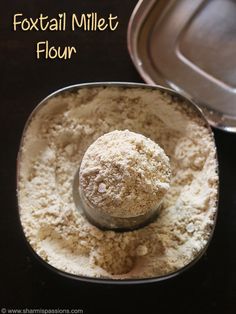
(86, 279)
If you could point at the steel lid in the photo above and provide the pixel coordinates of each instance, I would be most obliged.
(189, 46)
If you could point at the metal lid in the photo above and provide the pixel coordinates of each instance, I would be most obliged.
(189, 46)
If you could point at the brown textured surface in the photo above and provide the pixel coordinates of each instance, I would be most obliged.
(209, 287)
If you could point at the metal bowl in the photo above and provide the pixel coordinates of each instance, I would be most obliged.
(128, 85)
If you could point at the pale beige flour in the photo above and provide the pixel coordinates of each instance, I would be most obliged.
(124, 174)
(54, 144)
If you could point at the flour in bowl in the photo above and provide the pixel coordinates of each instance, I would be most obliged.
(124, 174)
(53, 146)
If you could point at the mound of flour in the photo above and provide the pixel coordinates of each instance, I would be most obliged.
(55, 141)
(124, 174)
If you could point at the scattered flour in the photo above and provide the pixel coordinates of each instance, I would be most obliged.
(54, 144)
